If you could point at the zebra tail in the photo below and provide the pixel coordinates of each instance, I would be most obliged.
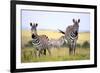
(61, 31)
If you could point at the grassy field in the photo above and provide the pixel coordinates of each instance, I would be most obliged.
(61, 54)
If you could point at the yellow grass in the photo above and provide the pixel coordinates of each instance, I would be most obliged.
(84, 36)
(50, 34)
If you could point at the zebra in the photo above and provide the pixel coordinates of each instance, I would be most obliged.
(39, 41)
(71, 35)
(57, 43)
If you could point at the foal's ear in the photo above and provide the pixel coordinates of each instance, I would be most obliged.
(73, 20)
(78, 20)
(30, 24)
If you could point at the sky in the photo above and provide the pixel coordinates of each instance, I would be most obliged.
(54, 20)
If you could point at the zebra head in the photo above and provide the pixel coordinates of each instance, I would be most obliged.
(76, 26)
(73, 28)
(76, 22)
(34, 28)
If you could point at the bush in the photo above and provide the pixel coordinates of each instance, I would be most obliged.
(66, 45)
(29, 44)
(86, 44)
(78, 45)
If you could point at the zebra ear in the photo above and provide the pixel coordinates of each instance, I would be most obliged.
(30, 24)
(78, 20)
(36, 24)
(74, 20)
(61, 31)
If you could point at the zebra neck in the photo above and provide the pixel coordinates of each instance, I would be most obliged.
(35, 41)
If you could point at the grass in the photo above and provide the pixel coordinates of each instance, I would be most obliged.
(61, 54)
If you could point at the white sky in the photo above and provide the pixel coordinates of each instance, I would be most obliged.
(54, 20)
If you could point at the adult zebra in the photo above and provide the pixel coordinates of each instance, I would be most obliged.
(71, 35)
(41, 42)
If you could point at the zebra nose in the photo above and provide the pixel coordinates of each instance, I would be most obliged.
(33, 36)
(76, 33)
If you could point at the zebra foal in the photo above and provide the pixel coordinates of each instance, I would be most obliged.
(57, 43)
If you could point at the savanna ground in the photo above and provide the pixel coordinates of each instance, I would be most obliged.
(61, 54)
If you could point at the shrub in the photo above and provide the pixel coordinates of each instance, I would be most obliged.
(78, 45)
(86, 44)
(29, 44)
(66, 45)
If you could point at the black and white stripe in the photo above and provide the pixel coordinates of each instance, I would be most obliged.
(35, 40)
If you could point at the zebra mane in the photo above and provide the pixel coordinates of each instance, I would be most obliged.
(61, 31)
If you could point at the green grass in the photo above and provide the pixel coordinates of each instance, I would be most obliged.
(61, 54)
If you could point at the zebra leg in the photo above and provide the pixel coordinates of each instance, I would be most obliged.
(70, 49)
(49, 51)
(74, 48)
(44, 51)
(35, 53)
(39, 53)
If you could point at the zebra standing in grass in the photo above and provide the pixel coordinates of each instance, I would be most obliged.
(71, 35)
(57, 43)
(39, 41)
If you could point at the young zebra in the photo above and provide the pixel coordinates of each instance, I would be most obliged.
(71, 35)
(57, 43)
(39, 41)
